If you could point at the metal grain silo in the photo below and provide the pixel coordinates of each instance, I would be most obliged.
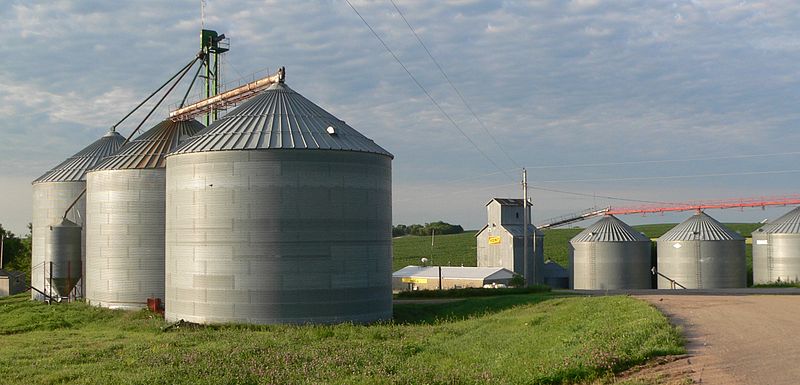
(125, 219)
(610, 255)
(279, 213)
(65, 247)
(53, 193)
(701, 253)
(776, 250)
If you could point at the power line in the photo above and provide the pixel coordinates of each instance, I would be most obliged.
(452, 181)
(463, 191)
(595, 195)
(428, 94)
(673, 176)
(666, 160)
(460, 96)
(607, 164)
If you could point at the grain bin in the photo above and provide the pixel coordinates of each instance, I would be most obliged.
(64, 256)
(279, 213)
(701, 253)
(125, 219)
(776, 250)
(609, 255)
(53, 192)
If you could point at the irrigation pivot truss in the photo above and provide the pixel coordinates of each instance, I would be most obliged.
(741, 203)
(787, 200)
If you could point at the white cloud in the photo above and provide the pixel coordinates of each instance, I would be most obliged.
(555, 82)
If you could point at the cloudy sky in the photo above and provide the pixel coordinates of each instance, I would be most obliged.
(650, 100)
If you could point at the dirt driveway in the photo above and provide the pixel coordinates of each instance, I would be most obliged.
(734, 339)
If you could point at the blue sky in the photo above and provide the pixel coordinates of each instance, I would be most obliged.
(630, 99)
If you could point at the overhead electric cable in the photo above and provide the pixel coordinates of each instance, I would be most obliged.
(673, 176)
(595, 195)
(428, 94)
(453, 86)
(666, 160)
(452, 181)
(496, 186)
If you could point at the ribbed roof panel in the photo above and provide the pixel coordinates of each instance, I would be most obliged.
(74, 168)
(279, 118)
(148, 150)
(609, 229)
(700, 227)
(788, 223)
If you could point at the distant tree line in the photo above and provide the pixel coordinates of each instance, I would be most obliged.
(16, 251)
(427, 229)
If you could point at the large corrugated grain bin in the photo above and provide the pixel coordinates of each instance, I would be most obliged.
(125, 205)
(776, 250)
(701, 253)
(279, 213)
(53, 193)
(609, 255)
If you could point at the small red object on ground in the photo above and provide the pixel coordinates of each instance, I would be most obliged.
(154, 304)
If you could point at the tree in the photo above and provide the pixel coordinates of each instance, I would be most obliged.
(399, 230)
(416, 230)
(517, 281)
(16, 251)
(439, 227)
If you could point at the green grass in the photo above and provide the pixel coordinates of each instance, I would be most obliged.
(556, 244)
(528, 338)
(448, 250)
(461, 249)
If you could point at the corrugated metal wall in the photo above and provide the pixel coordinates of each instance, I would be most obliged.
(54, 191)
(278, 236)
(776, 250)
(50, 200)
(125, 237)
(701, 253)
(609, 255)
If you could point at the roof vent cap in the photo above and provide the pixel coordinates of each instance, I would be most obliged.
(331, 130)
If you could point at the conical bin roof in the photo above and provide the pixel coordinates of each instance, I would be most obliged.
(700, 227)
(74, 168)
(788, 223)
(609, 229)
(279, 118)
(147, 151)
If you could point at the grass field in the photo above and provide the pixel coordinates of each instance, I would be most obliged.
(461, 249)
(529, 338)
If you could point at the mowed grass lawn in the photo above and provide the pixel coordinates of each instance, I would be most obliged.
(519, 339)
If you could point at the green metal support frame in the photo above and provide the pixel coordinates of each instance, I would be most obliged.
(212, 45)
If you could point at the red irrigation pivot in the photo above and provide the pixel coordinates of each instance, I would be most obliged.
(789, 200)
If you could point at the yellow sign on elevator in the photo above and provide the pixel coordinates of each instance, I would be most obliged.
(495, 240)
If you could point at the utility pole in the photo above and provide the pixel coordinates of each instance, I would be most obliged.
(525, 263)
(2, 238)
(433, 238)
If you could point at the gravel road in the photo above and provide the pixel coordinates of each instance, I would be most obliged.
(735, 339)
